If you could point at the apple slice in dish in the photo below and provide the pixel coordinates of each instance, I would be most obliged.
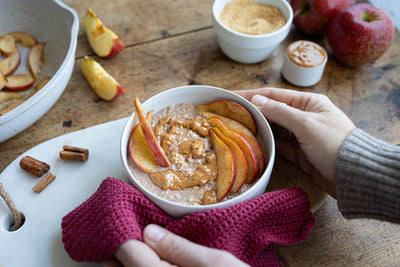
(7, 96)
(103, 41)
(11, 55)
(3, 80)
(101, 82)
(231, 110)
(155, 148)
(36, 59)
(249, 153)
(226, 167)
(241, 164)
(19, 82)
(25, 39)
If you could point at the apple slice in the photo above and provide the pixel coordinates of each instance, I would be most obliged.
(101, 82)
(36, 59)
(249, 153)
(12, 56)
(7, 96)
(151, 140)
(25, 39)
(7, 44)
(19, 82)
(42, 83)
(3, 80)
(140, 151)
(103, 41)
(231, 110)
(11, 106)
(241, 164)
(226, 166)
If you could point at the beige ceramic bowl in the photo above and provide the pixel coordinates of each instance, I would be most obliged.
(197, 94)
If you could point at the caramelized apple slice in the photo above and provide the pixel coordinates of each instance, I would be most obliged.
(226, 166)
(11, 55)
(19, 82)
(231, 110)
(241, 164)
(36, 59)
(6, 96)
(3, 80)
(151, 140)
(25, 39)
(42, 83)
(249, 153)
(103, 41)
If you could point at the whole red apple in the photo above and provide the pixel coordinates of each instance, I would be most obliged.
(313, 16)
(360, 34)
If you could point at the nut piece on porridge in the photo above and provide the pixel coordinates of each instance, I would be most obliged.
(205, 165)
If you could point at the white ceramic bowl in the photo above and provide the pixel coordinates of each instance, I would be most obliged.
(201, 94)
(247, 48)
(49, 21)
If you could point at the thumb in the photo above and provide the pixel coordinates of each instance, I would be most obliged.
(182, 252)
(279, 112)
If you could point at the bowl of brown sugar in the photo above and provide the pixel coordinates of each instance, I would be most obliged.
(249, 31)
(211, 148)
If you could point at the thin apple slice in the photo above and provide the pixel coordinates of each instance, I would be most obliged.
(151, 140)
(25, 39)
(7, 44)
(231, 110)
(42, 83)
(241, 164)
(103, 41)
(140, 152)
(249, 153)
(11, 106)
(7, 96)
(226, 166)
(19, 82)
(11, 61)
(3, 80)
(101, 82)
(36, 59)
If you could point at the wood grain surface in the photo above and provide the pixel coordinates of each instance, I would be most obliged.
(172, 43)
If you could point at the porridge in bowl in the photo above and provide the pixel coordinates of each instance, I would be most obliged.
(197, 154)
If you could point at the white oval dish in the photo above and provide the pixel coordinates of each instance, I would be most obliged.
(197, 94)
(56, 24)
(247, 48)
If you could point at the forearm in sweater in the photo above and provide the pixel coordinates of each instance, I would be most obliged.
(367, 175)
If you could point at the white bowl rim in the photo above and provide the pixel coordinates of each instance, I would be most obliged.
(288, 23)
(35, 98)
(240, 198)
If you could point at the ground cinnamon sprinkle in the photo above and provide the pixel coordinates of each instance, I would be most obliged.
(250, 17)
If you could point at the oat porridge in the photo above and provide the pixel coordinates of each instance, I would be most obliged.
(191, 177)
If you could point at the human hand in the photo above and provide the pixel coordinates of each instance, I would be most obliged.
(163, 248)
(319, 127)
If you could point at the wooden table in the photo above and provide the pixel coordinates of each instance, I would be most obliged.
(172, 43)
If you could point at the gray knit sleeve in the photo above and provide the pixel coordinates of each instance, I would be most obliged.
(367, 175)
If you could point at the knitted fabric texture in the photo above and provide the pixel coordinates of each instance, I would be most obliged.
(117, 212)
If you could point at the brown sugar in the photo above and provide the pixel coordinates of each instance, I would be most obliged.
(250, 17)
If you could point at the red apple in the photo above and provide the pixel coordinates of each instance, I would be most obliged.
(313, 16)
(360, 35)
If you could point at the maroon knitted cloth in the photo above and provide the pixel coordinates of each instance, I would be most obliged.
(117, 212)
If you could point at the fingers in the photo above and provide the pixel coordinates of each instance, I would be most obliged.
(182, 252)
(136, 253)
(280, 113)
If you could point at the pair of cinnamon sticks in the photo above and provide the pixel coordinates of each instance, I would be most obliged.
(38, 168)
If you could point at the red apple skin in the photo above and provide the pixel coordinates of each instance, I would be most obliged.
(313, 16)
(116, 48)
(360, 34)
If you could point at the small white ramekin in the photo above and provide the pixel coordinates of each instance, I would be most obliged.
(302, 76)
(248, 48)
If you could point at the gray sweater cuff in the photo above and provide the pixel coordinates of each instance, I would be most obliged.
(367, 175)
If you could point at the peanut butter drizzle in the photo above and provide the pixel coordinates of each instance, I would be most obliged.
(167, 130)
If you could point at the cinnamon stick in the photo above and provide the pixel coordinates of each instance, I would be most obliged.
(74, 153)
(43, 183)
(34, 166)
